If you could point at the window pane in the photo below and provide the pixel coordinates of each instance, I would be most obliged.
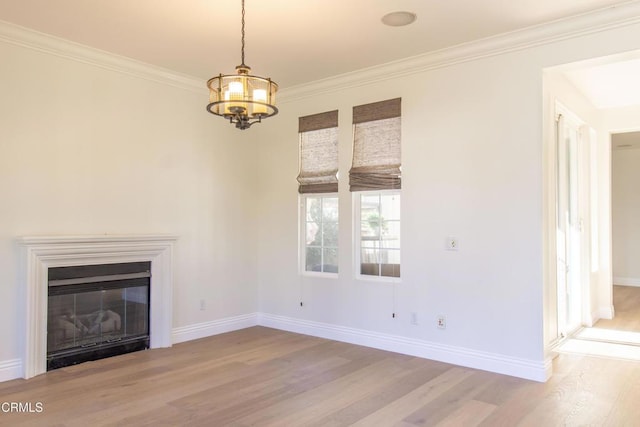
(313, 259)
(390, 206)
(330, 234)
(390, 263)
(330, 209)
(370, 200)
(313, 208)
(370, 269)
(391, 234)
(369, 206)
(321, 233)
(369, 255)
(330, 264)
(374, 224)
(390, 270)
(369, 229)
(380, 234)
(370, 217)
(312, 235)
(314, 219)
(389, 256)
(370, 243)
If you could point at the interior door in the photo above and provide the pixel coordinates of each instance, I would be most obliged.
(569, 226)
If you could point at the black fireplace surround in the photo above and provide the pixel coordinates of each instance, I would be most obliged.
(97, 311)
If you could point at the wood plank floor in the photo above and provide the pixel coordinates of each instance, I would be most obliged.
(626, 300)
(265, 377)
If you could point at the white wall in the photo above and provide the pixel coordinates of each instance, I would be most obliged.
(472, 168)
(625, 200)
(87, 150)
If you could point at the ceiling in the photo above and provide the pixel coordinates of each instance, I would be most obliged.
(608, 85)
(292, 41)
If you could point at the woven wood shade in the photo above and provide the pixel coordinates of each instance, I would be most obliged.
(376, 147)
(318, 153)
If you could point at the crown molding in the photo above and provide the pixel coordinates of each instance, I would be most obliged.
(609, 18)
(576, 26)
(41, 42)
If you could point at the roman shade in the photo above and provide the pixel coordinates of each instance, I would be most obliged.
(318, 153)
(376, 146)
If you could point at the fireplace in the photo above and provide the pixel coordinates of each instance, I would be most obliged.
(43, 256)
(97, 311)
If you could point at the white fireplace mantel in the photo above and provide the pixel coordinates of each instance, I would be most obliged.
(41, 253)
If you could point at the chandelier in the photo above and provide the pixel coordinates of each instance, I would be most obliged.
(241, 98)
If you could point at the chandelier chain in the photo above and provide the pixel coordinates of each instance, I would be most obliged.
(242, 51)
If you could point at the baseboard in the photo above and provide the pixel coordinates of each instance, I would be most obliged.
(522, 368)
(603, 313)
(215, 327)
(626, 281)
(10, 369)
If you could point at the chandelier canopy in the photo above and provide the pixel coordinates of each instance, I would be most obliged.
(241, 98)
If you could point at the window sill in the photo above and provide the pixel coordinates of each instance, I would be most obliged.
(379, 279)
(319, 274)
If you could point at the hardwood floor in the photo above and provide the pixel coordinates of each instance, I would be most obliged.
(265, 377)
(626, 300)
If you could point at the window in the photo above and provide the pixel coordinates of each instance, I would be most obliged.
(376, 177)
(318, 180)
(379, 225)
(320, 234)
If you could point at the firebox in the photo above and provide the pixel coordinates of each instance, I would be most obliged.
(97, 311)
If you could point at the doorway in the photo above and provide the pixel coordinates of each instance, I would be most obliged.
(611, 336)
(588, 106)
(625, 208)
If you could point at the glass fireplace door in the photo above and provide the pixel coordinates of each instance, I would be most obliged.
(94, 317)
(87, 318)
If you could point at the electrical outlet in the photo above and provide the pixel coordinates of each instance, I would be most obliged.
(451, 244)
(203, 305)
(414, 318)
(441, 322)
